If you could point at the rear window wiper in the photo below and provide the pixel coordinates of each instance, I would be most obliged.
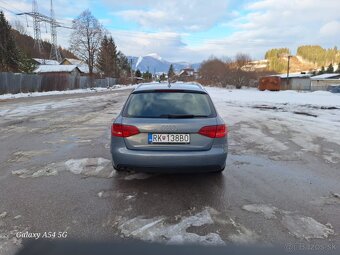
(182, 116)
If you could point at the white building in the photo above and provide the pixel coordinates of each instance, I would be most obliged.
(323, 81)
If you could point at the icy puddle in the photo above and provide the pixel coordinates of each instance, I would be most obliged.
(91, 167)
(332, 199)
(22, 156)
(299, 226)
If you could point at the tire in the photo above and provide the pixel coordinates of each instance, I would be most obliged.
(219, 171)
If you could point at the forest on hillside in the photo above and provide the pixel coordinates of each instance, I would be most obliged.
(314, 56)
(276, 59)
(318, 55)
(26, 44)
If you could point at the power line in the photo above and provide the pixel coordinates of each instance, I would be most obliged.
(7, 10)
(55, 53)
(14, 8)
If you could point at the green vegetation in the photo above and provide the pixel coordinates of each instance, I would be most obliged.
(9, 54)
(330, 69)
(318, 55)
(171, 72)
(276, 63)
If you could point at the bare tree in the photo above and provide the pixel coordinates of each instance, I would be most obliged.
(213, 72)
(222, 73)
(242, 59)
(20, 27)
(86, 38)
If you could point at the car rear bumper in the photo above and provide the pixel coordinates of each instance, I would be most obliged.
(170, 161)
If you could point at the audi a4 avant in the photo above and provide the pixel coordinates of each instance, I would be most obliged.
(165, 128)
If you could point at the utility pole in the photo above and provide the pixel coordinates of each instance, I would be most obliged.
(36, 27)
(37, 18)
(131, 71)
(55, 53)
(289, 56)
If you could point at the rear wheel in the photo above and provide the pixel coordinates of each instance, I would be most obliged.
(118, 169)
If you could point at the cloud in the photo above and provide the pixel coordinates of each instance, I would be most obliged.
(134, 43)
(276, 23)
(186, 30)
(257, 25)
(175, 15)
(330, 29)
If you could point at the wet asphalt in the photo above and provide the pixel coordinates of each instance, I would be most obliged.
(97, 203)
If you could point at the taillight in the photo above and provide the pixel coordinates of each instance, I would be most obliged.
(216, 131)
(121, 130)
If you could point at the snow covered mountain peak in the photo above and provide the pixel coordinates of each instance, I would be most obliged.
(154, 63)
(154, 55)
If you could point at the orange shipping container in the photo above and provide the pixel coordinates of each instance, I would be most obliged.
(271, 83)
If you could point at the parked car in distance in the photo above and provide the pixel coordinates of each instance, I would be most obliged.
(171, 128)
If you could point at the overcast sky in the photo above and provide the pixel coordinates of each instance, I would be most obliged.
(193, 30)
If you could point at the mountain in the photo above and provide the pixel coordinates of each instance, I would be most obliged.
(156, 64)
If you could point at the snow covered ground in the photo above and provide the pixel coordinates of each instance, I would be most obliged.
(284, 124)
(66, 92)
(280, 183)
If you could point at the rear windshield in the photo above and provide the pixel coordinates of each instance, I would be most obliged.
(169, 105)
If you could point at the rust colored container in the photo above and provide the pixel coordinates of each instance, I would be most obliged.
(271, 83)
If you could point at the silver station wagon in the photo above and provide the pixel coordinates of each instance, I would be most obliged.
(169, 128)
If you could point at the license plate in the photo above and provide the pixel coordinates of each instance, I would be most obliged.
(169, 138)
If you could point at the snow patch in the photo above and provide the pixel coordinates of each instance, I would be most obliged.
(332, 199)
(297, 225)
(66, 92)
(140, 59)
(21, 156)
(267, 211)
(95, 167)
(156, 230)
(306, 227)
(244, 236)
(48, 170)
(129, 197)
(90, 167)
(137, 176)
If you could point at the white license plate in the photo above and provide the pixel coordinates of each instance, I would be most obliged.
(169, 138)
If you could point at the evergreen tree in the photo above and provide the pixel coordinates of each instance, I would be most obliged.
(276, 61)
(322, 71)
(162, 77)
(330, 69)
(113, 56)
(138, 73)
(102, 60)
(171, 72)
(9, 55)
(318, 55)
(107, 57)
(26, 64)
(147, 76)
(124, 68)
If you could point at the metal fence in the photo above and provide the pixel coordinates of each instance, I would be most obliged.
(13, 83)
